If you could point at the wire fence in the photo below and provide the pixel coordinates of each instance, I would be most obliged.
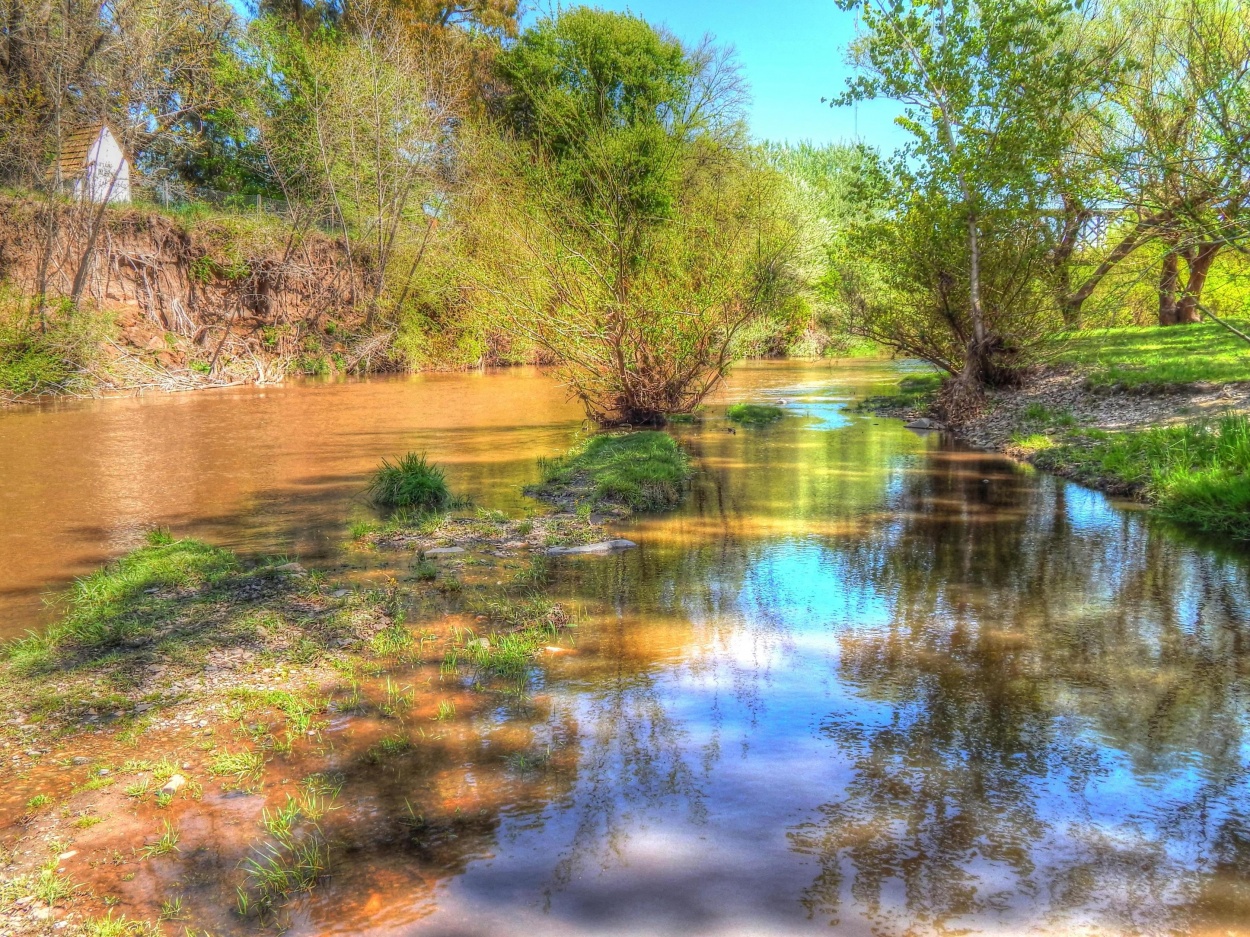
(169, 194)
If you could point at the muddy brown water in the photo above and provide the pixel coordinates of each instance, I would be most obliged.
(864, 682)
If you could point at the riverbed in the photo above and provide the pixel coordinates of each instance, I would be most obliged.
(865, 681)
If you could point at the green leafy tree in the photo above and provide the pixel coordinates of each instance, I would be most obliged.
(988, 90)
(633, 234)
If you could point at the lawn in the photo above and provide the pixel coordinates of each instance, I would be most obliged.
(1134, 355)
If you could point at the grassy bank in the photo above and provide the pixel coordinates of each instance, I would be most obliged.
(1155, 413)
(1134, 357)
(181, 668)
(644, 471)
(1196, 474)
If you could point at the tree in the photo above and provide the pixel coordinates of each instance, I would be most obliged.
(635, 235)
(988, 90)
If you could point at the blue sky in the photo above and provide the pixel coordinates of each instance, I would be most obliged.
(793, 53)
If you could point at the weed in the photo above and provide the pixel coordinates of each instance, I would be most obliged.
(245, 766)
(411, 482)
(166, 843)
(398, 700)
(39, 800)
(139, 789)
(446, 711)
(172, 909)
(292, 858)
(424, 571)
(87, 821)
(388, 747)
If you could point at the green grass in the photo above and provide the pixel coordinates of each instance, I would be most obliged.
(1134, 355)
(643, 471)
(1197, 475)
(412, 482)
(291, 859)
(113, 604)
(754, 414)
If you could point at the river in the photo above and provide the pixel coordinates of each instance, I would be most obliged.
(864, 682)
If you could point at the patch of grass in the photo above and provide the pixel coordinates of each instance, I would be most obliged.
(245, 766)
(411, 482)
(389, 747)
(754, 414)
(1042, 415)
(291, 859)
(1197, 475)
(642, 471)
(163, 845)
(39, 800)
(109, 926)
(122, 600)
(1031, 443)
(1135, 355)
(446, 710)
(52, 887)
(424, 571)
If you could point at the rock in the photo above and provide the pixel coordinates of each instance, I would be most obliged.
(483, 643)
(515, 545)
(293, 568)
(67, 855)
(605, 546)
(176, 783)
(80, 760)
(924, 423)
(339, 593)
(444, 551)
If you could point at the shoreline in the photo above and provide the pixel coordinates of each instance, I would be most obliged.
(1057, 416)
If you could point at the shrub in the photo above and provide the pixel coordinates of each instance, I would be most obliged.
(412, 482)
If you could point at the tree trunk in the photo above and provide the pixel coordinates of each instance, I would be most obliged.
(1169, 280)
(1199, 266)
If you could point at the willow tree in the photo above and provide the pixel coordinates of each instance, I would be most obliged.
(633, 234)
(988, 92)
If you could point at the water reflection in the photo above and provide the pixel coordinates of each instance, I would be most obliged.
(863, 679)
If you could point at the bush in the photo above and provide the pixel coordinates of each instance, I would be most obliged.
(412, 482)
(754, 414)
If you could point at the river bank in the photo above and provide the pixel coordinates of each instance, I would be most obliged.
(1167, 427)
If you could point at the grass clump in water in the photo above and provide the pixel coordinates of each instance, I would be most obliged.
(411, 482)
(1198, 475)
(754, 414)
(641, 471)
(123, 600)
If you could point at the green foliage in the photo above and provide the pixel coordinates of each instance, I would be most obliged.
(48, 351)
(1198, 475)
(754, 414)
(1135, 355)
(638, 236)
(411, 482)
(645, 471)
(123, 600)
